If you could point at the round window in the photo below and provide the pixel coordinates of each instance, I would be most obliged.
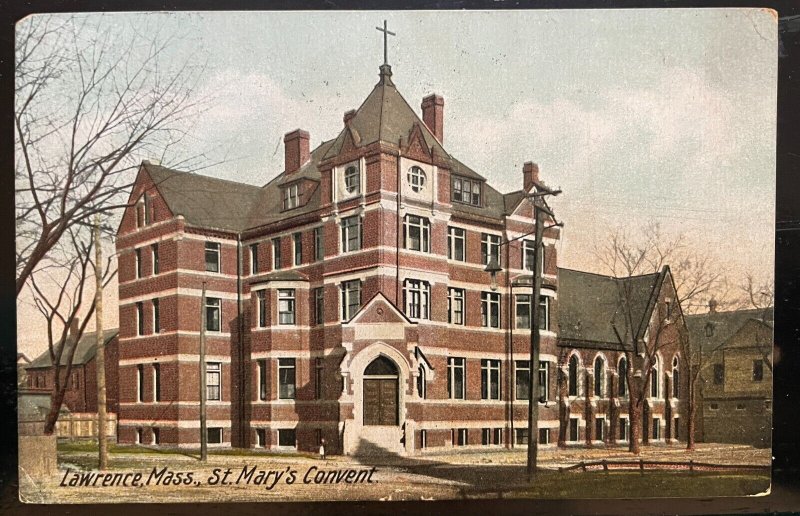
(351, 179)
(416, 178)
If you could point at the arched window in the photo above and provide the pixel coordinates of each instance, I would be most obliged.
(421, 388)
(573, 376)
(655, 378)
(622, 369)
(676, 379)
(599, 371)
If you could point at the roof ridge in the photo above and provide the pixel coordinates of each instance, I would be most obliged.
(203, 176)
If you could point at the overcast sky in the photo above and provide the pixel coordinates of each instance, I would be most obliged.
(638, 115)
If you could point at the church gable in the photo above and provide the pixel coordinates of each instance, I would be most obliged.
(380, 310)
(417, 148)
(145, 204)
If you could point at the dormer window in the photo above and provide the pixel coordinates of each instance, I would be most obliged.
(416, 179)
(291, 197)
(352, 180)
(466, 191)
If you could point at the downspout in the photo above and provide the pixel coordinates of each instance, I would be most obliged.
(240, 343)
(398, 226)
(509, 337)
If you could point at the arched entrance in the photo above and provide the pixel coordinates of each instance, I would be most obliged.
(381, 403)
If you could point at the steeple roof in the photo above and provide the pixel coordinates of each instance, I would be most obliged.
(384, 116)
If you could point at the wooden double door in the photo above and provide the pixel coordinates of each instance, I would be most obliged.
(381, 401)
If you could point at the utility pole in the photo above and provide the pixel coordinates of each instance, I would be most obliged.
(539, 210)
(203, 429)
(102, 441)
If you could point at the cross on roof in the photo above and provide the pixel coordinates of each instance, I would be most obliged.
(386, 34)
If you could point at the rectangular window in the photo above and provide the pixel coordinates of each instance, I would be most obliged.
(352, 180)
(74, 384)
(456, 373)
(455, 306)
(319, 305)
(140, 383)
(287, 437)
(254, 259)
(573, 429)
(262, 380)
(544, 381)
(318, 378)
(490, 247)
(213, 316)
(351, 234)
(276, 253)
(490, 379)
(417, 233)
(139, 436)
(544, 436)
(486, 436)
(423, 439)
(156, 316)
(416, 298)
(351, 299)
(138, 263)
(623, 429)
(719, 374)
(212, 257)
(522, 375)
(656, 428)
(261, 297)
(213, 381)
(148, 209)
(498, 436)
(214, 435)
(154, 254)
(319, 244)
(523, 311)
(599, 425)
(490, 310)
(462, 438)
(261, 437)
(156, 436)
(297, 242)
(758, 370)
(140, 318)
(286, 306)
(140, 214)
(456, 244)
(156, 382)
(676, 430)
(544, 313)
(286, 378)
(521, 436)
(466, 191)
(291, 197)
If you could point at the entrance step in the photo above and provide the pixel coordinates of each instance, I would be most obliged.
(380, 440)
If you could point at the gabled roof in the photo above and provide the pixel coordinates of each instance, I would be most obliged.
(724, 325)
(592, 307)
(87, 349)
(204, 201)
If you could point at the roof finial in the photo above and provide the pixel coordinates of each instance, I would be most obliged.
(386, 34)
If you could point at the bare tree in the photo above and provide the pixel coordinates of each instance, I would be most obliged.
(697, 276)
(663, 328)
(61, 308)
(760, 296)
(89, 105)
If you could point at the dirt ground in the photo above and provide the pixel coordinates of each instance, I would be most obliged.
(432, 476)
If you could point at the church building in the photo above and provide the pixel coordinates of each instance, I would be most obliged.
(347, 299)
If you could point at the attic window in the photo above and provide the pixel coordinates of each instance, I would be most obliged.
(466, 191)
(416, 179)
(352, 180)
(709, 330)
(291, 197)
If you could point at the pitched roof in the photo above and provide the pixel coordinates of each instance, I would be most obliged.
(204, 201)
(591, 307)
(723, 325)
(87, 349)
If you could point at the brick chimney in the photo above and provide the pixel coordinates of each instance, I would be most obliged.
(349, 115)
(712, 306)
(433, 115)
(530, 174)
(296, 150)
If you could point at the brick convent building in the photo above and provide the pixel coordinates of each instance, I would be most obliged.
(347, 300)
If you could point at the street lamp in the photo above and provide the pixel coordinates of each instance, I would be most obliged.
(493, 267)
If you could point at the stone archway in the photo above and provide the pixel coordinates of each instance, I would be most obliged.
(381, 393)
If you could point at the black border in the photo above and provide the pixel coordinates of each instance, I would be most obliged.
(785, 496)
